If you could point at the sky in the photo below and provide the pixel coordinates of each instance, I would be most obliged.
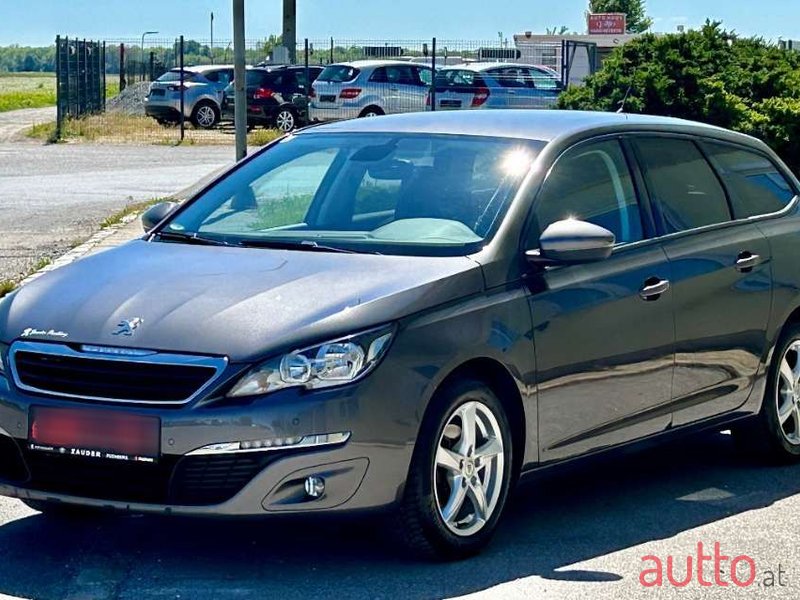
(36, 22)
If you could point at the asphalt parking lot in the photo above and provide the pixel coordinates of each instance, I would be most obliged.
(53, 196)
(577, 533)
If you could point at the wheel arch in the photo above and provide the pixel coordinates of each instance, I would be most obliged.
(499, 379)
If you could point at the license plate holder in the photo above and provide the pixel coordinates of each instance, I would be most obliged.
(95, 434)
(327, 98)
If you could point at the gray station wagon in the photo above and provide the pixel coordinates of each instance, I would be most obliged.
(409, 314)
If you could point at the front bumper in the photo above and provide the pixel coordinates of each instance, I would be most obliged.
(364, 473)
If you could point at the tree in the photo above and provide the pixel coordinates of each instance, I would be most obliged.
(707, 75)
(557, 30)
(638, 21)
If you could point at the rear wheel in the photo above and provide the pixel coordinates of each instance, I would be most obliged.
(286, 120)
(460, 474)
(371, 111)
(205, 115)
(776, 431)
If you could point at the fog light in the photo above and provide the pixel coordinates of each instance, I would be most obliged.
(315, 486)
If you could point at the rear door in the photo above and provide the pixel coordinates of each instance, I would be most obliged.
(400, 87)
(603, 332)
(721, 279)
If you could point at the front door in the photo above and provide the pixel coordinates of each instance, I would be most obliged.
(603, 332)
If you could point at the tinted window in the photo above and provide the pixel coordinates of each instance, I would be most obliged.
(544, 80)
(171, 76)
(457, 78)
(338, 73)
(590, 183)
(257, 77)
(755, 184)
(685, 188)
(512, 77)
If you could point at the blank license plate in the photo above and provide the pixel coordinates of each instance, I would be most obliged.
(327, 98)
(94, 433)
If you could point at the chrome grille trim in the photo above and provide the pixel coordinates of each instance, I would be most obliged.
(219, 364)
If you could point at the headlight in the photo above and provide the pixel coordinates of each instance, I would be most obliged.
(334, 363)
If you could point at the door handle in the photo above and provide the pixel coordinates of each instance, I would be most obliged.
(653, 289)
(747, 261)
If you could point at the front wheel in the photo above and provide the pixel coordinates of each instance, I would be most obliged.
(776, 431)
(460, 474)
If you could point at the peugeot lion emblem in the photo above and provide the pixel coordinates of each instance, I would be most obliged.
(127, 328)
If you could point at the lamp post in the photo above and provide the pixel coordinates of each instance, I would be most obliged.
(142, 49)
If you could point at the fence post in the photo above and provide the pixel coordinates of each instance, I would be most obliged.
(121, 67)
(59, 110)
(331, 60)
(308, 80)
(67, 95)
(152, 64)
(433, 76)
(183, 99)
(104, 77)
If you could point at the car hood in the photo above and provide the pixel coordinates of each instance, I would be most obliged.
(235, 302)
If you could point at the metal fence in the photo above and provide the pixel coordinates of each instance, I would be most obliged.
(429, 74)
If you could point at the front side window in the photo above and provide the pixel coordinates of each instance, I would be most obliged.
(682, 183)
(378, 192)
(590, 183)
(754, 182)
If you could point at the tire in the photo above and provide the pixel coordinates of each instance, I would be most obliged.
(434, 521)
(286, 120)
(775, 433)
(371, 111)
(63, 510)
(205, 115)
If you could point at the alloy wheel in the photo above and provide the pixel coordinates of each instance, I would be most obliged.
(787, 393)
(206, 117)
(285, 121)
(469, 468)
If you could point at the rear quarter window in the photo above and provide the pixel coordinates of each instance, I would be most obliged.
(338, 74)
(755, 184)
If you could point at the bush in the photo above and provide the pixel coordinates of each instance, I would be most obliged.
(708, 75)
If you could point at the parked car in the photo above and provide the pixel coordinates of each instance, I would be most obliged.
(369, 88)
(276, 96)
(203, 91)
(496, 85)
(409, 314)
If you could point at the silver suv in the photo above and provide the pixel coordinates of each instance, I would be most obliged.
(368, 88)
(203, 91)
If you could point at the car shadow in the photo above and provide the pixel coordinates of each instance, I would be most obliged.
(562, 518)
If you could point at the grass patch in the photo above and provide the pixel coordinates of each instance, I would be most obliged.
(116, 128)
(27, 90)
(130, 209)
(9, 285)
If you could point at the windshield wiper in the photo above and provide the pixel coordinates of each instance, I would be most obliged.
(191, 238)
(303, 245)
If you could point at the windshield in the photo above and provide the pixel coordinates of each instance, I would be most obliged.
(388, 193)
(172, 76)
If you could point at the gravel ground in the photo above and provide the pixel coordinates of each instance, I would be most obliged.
(579, 533)
(55, 195)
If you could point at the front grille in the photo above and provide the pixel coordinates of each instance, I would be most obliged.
(187, 481)
(62, 371)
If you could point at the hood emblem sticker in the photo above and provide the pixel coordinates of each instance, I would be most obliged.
(128, 327)
(33, 332)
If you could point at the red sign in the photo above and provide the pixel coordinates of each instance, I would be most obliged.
(607, 23)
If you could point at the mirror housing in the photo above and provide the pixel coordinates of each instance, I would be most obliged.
(571, 241)
(157, 213)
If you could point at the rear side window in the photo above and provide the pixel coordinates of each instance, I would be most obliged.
(591, 183)
(338, 74)
(684, 185)
(754, 182)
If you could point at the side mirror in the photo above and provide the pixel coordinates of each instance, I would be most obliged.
(572, 241)
(157, 213)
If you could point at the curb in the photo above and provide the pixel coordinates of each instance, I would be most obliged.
(82, 250)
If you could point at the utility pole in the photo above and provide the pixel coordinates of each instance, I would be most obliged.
(239, 80)
(289, 37)
(211, 45)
